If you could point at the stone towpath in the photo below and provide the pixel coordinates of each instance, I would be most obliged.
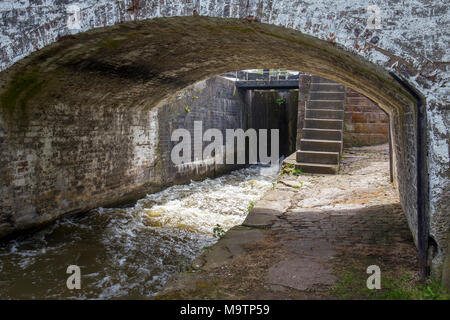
(311, 237)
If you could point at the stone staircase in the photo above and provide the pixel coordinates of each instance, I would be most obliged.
(322, 135)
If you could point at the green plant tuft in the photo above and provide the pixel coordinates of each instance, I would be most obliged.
(280, 101)
(218, 231)
(250, 206)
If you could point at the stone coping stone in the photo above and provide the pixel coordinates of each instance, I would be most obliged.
(262, 218)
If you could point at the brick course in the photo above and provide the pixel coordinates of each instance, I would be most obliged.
(364, 122)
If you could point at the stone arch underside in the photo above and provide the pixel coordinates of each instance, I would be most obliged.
(136, 67)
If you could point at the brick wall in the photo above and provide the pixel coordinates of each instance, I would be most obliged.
(217, 104)
(67, 162)
(70, 160)
(365, 123)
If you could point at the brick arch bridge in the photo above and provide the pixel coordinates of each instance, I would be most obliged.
(126, 69)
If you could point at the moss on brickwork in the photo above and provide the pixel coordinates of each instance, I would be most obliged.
(171, 53)
(20, 90)
(110, 44)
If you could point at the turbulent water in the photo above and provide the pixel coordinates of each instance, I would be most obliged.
(129, 253)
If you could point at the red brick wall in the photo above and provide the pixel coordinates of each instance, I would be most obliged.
(365, 123)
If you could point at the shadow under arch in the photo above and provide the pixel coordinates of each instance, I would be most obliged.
(138, 65)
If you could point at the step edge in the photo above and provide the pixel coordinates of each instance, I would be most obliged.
(309, 109)
(311, 164)
(322, 91)
(319, 140)
(326, 130)
(319, 152)
(315, 119)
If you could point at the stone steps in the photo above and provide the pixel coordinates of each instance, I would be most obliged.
(324, 114)
(317, 168)
(320, 145)
(322, 157)
(326, 104)
(326, 95)
(322, 136)
(315, 123)
(327, 87)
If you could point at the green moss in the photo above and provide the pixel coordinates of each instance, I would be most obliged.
(280, 101)
(239, 28)
(298, 186)
(251, 205)
(117, 42)
(110, 44)
(20, 90)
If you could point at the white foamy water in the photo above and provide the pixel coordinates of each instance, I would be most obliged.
(200, 206)
(131, 252)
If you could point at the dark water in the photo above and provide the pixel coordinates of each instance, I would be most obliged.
(128, 253)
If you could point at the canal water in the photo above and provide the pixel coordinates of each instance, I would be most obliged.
(129, 253)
